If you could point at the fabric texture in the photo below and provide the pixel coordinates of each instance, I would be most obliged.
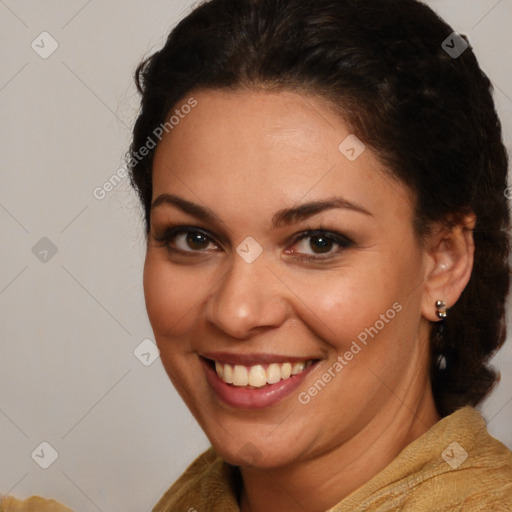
(455, 466)
(33, 504)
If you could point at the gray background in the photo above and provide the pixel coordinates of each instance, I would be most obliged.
(70, 321)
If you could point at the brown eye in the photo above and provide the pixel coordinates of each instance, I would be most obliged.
(185, 240)
(196, 241)
(320, 244)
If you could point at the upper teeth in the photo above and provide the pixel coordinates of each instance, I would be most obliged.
(257, 375)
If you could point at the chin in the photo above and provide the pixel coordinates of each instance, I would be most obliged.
(250, 455)
(246, 447)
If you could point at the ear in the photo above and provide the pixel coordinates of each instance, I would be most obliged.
(450, 254)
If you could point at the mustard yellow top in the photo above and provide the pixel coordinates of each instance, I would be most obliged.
(33, 504)
(455, 466)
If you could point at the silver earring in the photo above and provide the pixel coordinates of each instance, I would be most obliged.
(441, 309)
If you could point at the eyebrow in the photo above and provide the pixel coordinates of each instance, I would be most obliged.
(286, 216)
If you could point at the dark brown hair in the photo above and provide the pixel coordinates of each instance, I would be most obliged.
(427, 115)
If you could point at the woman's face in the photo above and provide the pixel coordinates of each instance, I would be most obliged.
(272, 250)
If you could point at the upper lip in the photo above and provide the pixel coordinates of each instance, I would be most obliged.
(252, 359)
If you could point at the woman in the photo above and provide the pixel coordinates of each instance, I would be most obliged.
(327, 243)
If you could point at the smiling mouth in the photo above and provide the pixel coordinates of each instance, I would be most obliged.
(259, 375)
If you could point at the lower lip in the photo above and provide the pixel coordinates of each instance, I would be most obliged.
(257, 398)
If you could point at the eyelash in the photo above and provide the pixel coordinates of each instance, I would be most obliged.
(165, 237)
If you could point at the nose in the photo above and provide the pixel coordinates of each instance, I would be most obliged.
(248, 298)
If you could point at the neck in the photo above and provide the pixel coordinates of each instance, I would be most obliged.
(320, 482)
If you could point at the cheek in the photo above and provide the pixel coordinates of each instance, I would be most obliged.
(339, 306)
(370, 303)
(171, 296)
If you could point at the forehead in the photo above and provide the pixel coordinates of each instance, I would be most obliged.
(255, 151)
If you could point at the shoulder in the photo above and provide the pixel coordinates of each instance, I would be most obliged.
(465, 467)
(32, 504)
(455, 466)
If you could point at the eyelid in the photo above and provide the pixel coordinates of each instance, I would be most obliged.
(175, 227)
(337, 237)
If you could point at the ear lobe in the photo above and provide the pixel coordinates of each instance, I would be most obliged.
(451, 254)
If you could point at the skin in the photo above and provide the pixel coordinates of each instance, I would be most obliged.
(245, 156)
